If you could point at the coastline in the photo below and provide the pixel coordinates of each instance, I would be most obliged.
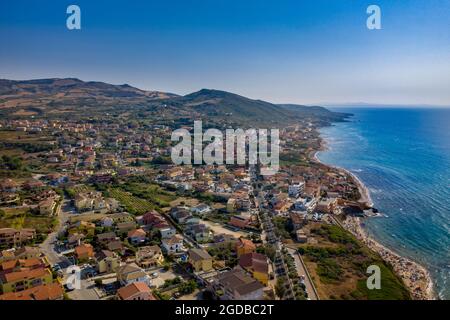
(415, 276)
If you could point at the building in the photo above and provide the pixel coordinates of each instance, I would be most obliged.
(137, 236)
(231, 205)
(74, 240)
(301, 236)
(24, 279)
(107, 261)
(244, 246)
(115, 246)
(104, 238)
(107, 222)
(47, 207)
(125, 227)
(236, 285)
(22, 264)
(180, 215)
(200, 260)
(173, 245)
(14, 237)
(256, 264)
(167, 232)
(135, 291)
(240, 222)
(52, 291)
(84, 227)
(149, 257)
(199, 232)
(298, 219)
(21, 253)
(295, 190)
(201, 209)
(131, 273)
(153, 218)
(84, 252)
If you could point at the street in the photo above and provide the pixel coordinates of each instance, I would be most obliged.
(312, 294)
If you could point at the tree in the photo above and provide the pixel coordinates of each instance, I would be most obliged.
(187, 287)
(12, 163)
(279, 288)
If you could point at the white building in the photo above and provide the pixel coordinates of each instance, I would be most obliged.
(173, 245)
(167, 232)
(295, 190)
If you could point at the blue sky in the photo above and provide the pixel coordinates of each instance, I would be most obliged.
(282, 51)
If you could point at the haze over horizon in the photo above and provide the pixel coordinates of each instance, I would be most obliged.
(301, 52)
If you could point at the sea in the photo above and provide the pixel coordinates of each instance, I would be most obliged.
(402, 155)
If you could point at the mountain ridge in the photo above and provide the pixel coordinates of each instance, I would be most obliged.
(53, 95)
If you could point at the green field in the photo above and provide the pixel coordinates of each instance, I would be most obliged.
(79, 188)
(20, 218)
(150, 192)
(132, 204)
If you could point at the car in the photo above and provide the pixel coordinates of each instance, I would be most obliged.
(56, 267)
(155, 275)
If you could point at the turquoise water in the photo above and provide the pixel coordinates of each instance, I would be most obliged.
(403, 157)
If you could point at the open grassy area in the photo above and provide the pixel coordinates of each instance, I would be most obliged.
(90, 217)
(132, 204)
(338, 266)
(20, 218)
(79, 188)
(150, 192)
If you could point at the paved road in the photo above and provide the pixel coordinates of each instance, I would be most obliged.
(47, 247)
(301, 270)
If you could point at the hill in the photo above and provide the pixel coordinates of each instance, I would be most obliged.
(70, 92)
(70, 96)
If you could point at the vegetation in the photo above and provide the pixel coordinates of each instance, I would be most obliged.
(225, 253)
(132, 204)
(187, 287)
(340, 263)
(282, 227)
(20, 218)
(153, 193)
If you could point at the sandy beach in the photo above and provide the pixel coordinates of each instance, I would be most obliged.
(416, 277)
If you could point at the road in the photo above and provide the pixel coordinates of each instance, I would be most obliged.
(87, 291)
(48, 247)
(301, 270)
(270, 236)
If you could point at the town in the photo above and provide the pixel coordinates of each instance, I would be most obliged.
(224, 158)
(100, 192)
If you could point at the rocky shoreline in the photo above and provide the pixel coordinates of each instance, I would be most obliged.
(415, 276)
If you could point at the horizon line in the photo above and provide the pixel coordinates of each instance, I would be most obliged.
(320, 104)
